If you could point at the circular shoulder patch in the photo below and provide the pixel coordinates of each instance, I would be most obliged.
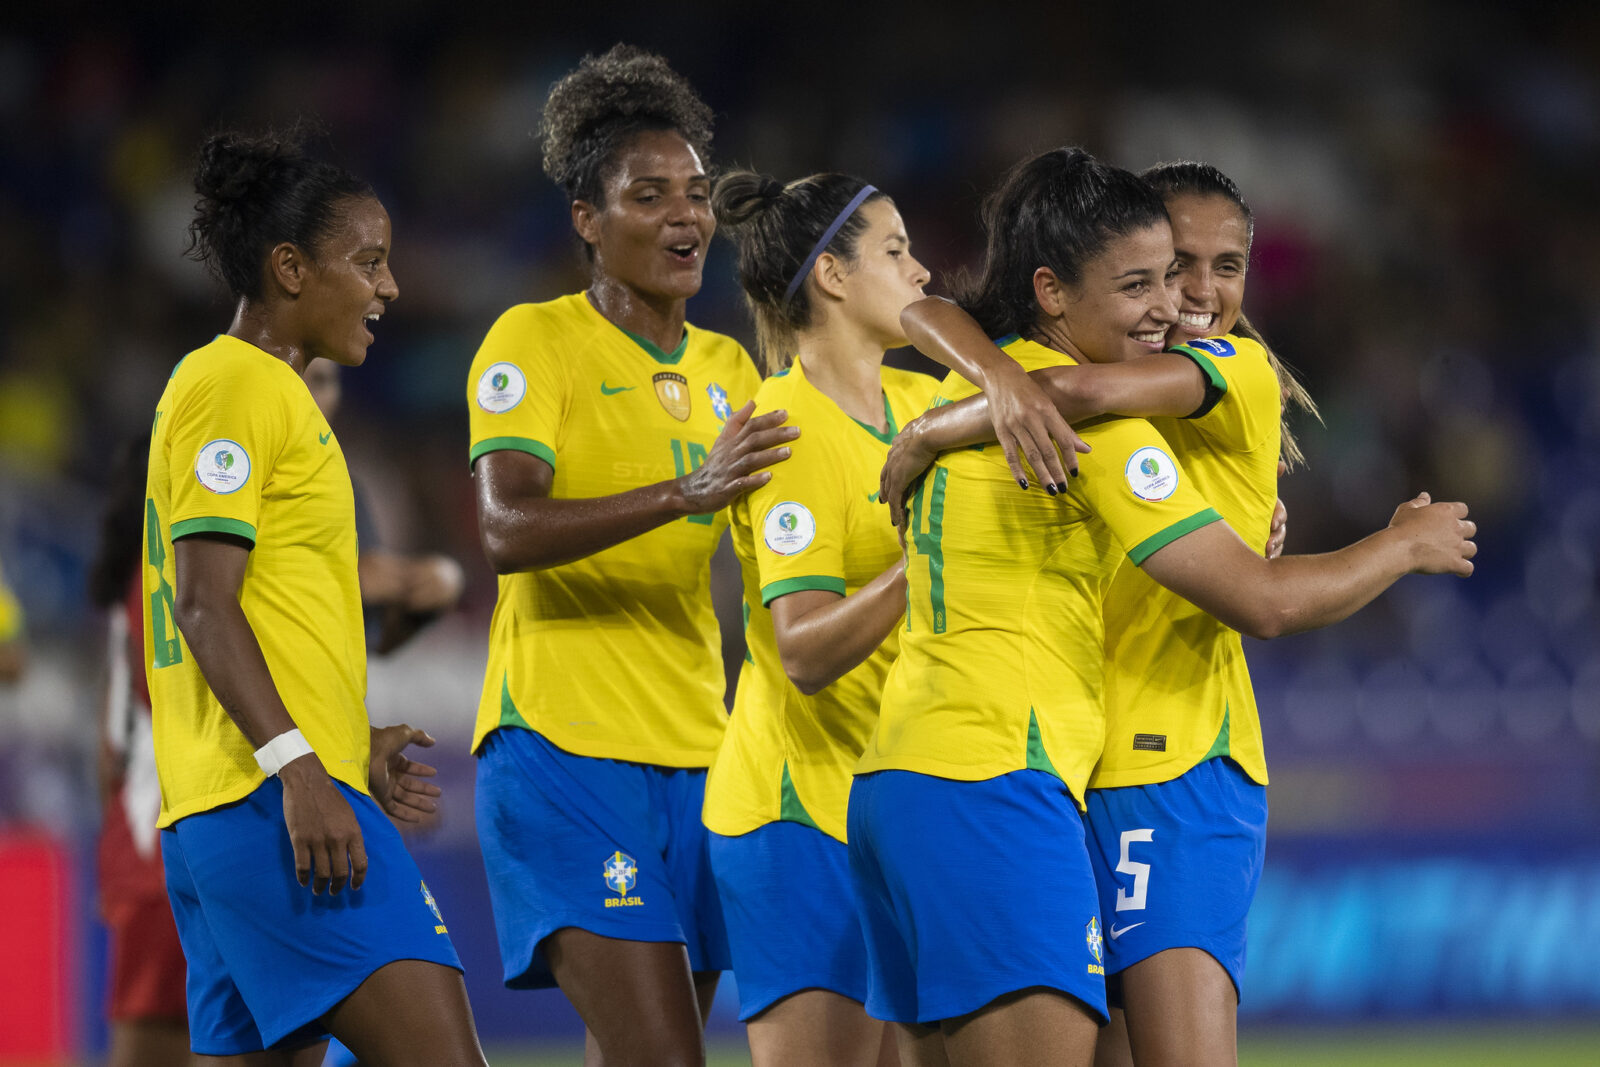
(501, 388)
(223, 466)
(1151, 474)
(789, 528)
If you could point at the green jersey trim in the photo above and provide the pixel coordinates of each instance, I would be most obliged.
(1216, 384)
(1038, 758)
(509, 715)
(744, 607)
(772, 592)
(512, 444)
(888, 417)
(654, 350)
(1156, 542)
(790, 809)
(231, 527)
(1219, 747)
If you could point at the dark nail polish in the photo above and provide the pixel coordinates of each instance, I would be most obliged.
(1061, 486)
(1049, 488)
(1023, 482)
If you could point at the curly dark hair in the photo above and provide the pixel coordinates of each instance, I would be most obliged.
(592, 111)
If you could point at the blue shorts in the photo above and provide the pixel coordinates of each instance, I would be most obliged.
(267, 959)
(972, 890)
(791, 913)
(608, 846)
(1177, 863)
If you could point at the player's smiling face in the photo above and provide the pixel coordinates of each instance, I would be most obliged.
(884, 278)
(652, 233)
(349, 284)
(1212, 241)
(1123, 304)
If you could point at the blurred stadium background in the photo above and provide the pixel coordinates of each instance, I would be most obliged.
(1425, 181)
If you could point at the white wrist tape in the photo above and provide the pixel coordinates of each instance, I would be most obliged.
(289, 745)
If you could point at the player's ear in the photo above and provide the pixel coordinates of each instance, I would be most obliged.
(1050, 293)
(586, 221)
(286, 267)
(829, 274)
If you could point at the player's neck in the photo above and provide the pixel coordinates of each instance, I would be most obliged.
(658, 320)
(1052, 333)
(847, 369)
(256, 325)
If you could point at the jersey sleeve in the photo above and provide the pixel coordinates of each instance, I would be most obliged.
(799, 521)
(10, 614)
(518, 390)
(1248, 403)
(1134, 483)
(223, 440)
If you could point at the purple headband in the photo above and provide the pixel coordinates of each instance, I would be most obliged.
(827, 235)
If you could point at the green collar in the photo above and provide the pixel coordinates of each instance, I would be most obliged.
(888, 416)
(654, 351)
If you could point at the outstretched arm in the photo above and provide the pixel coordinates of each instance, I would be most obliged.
(822, 636)
(522, 529)
(1218, 573)
(328, 848)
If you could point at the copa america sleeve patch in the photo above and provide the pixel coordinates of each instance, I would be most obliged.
(501, 388)
(223, 466)
(788, 528)
(1216, 346)
(1151, 474)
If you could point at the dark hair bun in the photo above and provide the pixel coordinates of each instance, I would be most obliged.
(742, 195)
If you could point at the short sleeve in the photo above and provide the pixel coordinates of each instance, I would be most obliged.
(518, 389)
(1248, 403)
(1133, 481)
(223, 440)
(10, 614)
(798, 520)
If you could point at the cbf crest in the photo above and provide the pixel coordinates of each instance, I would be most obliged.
(672, 389)
(433, 906)
(719, 401)
(1096, 943)
(621, 875)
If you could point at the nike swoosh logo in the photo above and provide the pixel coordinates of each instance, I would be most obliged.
(607, 390)
(873, 496)
(322, 438)
(1115, 933)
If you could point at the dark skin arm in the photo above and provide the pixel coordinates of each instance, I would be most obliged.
(328, 847)
(822, 636)
(522, 529)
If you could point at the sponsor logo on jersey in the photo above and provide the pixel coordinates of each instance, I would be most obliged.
(1117, 931)
(1151, 474)
(1150, 742)
(789, 528)
(719, 401)
(501, 388)
(613, 390)
(433, 906)
(621, 875)
(223, 466)
(322, 438)
(1096, 943)
(1215, 345)
(672, 389)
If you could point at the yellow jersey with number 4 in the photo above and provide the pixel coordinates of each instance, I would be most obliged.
(239, 449)
(1178, 688)
(1001, 660)
(616, 655)
(816, 525)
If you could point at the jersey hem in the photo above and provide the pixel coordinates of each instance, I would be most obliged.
(212, 801)
(727, 827)
(1160, 775)
(827, 582)
(213, 524)
(684, 759)
(512, 444)
(1155, 542)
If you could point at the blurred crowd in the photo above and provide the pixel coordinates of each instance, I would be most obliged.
(1423, 178)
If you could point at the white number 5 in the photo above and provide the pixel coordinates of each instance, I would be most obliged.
(1141, 872)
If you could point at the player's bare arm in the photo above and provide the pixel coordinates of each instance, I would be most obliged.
(328, 848)
(522, 528)
(822, 636)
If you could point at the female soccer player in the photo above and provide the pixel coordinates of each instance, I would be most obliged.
(270, 775)
(601, 478)
(1177, 805)
(966, 842)
(827, 268)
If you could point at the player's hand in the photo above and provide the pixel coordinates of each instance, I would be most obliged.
(909, 458)
(1278, 532)
(742, 449)
(396, 780)
(1026, 422)
(328, 848)
(1440, 535)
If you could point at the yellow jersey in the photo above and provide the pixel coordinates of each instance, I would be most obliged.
(616, 655)
(1177, 686)
(816, 525)
(238, 447)
(10, 613)
(1001, 660)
